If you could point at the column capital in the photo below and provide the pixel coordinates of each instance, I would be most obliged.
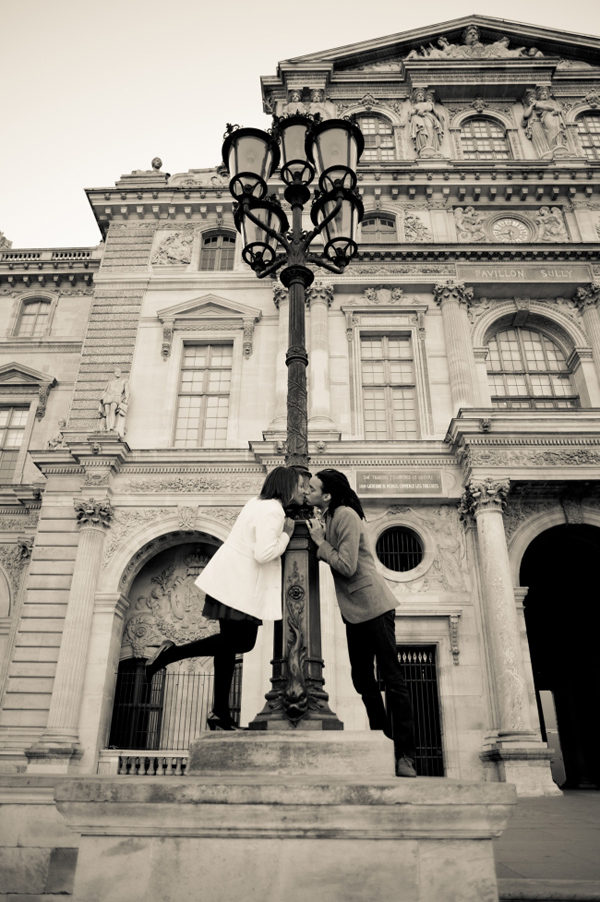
(587, 296)
(452, 290)
(483, 495)
(92, 513)
(319, 292)
(280, 294)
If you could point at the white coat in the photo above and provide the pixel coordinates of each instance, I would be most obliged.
(245, 573)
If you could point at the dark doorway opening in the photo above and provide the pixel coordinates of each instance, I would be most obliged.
(420, 672)
(560, 567)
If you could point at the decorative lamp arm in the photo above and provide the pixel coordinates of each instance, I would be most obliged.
(318, 229)
(271, 232)
(272, 267)
(320, 261)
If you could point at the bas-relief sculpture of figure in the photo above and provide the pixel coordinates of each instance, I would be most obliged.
(426, 126)
(551, 226)
(114, 403)
(472, 48)
(543, 121)
(469, 224)
(175, 248)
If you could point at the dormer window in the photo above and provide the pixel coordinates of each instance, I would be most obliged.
(588, 129)
(483, 139)
(379, 139)
(33, 319)
(378, 227)
(218, 251)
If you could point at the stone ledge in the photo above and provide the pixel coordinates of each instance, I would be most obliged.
(511, 890)
(292, 753)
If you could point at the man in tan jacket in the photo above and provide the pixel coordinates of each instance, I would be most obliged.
(367, 606)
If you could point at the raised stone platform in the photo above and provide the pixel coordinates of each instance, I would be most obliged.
(263, 822)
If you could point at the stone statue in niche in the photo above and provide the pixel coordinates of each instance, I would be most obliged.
(544, 122)
(426, 126)
(175, 248)
(114, 403)
(551, 226)
(469, 224)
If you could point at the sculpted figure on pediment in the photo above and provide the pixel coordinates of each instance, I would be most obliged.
(472, 48)
(469, 224)
(426, 125)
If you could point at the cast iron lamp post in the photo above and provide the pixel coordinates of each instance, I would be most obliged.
(331, 149)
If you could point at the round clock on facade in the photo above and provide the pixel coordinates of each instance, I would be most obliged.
(510, 230)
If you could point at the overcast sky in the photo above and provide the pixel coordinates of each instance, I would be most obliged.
(94, 90)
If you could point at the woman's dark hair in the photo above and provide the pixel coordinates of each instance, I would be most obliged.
(342, 495)
(281, 483)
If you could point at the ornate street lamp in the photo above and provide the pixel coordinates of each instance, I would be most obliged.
(330, 150)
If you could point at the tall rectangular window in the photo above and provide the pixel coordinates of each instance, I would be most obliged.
(12, 429)
(33, 321)
(203, 402)
(388, 387)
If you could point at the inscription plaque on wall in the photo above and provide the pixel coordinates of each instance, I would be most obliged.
(399, 482)
(524, 272)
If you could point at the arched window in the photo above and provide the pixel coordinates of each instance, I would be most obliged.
(483, 139)
(33, 319)
(379, 139)
(588, 128)
(526, 369)
(218, 251)
(379, 227)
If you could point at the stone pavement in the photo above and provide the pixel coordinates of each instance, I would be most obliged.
(551, 849)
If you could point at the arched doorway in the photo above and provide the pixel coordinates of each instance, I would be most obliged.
(165, 603)
(560, 567)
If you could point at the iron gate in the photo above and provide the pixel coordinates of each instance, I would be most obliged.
(166, 713)
(419, 668)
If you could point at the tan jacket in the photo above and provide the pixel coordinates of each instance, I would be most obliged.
(245, 573)
(362, 593)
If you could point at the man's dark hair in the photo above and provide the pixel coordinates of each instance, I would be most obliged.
(342, 495)
(281, 483)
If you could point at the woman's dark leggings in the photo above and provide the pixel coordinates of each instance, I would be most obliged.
(235, 638)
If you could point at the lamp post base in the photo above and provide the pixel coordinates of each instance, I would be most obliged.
(297, 700)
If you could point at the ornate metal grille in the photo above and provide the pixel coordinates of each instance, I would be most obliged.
(418, 664)
(399, 549)
(167, 713)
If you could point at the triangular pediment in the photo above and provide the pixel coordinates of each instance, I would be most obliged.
(209, 307)
(19, 374)
(387, 53)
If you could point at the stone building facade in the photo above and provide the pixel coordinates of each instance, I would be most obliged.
(454, 376)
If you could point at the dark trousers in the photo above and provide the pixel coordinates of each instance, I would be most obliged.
(375, 640)
(235, 638)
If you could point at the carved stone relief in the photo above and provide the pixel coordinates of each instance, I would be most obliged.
(165, 602)
(176, 248)
(127, 522)
(415, 230)
(13, 560)
(519, 510)
(200, 484)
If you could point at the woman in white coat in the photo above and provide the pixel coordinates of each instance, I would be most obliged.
(242, 582)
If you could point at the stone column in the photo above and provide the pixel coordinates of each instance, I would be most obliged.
(587, 298)
(485, 500)
(282, 302)
(60, 741)
(453, 299)
(319, 298)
